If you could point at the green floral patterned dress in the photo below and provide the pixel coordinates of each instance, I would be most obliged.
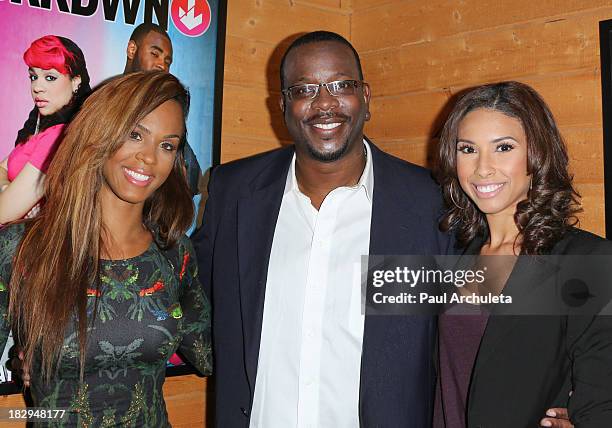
(149, 306)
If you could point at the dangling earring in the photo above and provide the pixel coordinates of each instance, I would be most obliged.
(37, 124)
(452, 198)
(367, 115)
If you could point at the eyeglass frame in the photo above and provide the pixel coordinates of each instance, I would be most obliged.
(357, 84)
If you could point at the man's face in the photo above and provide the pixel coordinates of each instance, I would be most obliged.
(326, 127)
(154, 52)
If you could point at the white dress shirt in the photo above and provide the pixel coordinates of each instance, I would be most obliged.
(312, 331)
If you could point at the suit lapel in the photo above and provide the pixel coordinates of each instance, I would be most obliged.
(257, 214)
(525, 279)
(393, 219)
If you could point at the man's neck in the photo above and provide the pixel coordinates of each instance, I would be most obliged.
(317, 179)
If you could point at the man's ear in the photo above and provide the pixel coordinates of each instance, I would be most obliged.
(281, 102)
(366, 97)
(132, 47)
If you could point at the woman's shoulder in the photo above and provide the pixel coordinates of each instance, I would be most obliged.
(11, 235)
(580, 242)
(184, 246)
(52, 131)
(180, 253)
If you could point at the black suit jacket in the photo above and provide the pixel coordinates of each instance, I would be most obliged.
(233, 249)
(527, 364)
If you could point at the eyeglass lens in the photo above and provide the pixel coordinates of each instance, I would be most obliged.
(311, 90)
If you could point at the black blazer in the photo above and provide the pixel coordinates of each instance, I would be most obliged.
(233, 249)
(527, 364)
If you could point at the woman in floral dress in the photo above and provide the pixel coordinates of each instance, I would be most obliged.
(101, 288)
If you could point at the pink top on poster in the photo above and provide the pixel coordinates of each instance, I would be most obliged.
(38, 150)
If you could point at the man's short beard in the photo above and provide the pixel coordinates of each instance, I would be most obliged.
(328, 157)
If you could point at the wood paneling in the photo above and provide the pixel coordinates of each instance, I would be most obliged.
(274, 20)
(239, 146)
(185, 401)
(250, 63)
(252, 113)
(528, 49)
(410, 22)
(416, 54)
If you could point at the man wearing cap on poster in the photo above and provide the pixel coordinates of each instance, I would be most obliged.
(150, 48)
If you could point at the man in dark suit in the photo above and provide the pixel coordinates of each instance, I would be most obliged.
(282, 234)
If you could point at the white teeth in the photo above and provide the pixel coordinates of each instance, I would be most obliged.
(136, 175)
(489, 188)
(326, 125)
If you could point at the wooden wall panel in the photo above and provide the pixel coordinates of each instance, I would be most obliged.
(247, 63)
(274, 20)
(536, 48)
(252, 113)
(407, 116)
(409, 22)
(239, 146)
(417, 54)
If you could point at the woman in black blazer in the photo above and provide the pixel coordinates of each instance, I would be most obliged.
(503, 169)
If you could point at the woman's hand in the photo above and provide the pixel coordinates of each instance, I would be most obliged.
(17, 366)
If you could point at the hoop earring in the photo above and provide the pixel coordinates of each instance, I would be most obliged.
(37, 124)
(453, 199)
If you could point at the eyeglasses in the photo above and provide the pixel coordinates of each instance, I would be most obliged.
(309, 91)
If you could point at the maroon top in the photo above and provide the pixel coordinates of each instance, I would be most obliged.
(461, 328)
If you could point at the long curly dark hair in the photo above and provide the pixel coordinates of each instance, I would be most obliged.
(552, 202)
(64, 55)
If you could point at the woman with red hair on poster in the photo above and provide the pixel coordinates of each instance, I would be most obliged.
(59, 84)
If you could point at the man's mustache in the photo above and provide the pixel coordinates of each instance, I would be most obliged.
(326, 117)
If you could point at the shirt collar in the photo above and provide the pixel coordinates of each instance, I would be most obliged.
(366, 180)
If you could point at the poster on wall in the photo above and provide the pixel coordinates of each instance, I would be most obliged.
(186, 39)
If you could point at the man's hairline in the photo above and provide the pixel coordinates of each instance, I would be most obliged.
(154, 30)
(337, 42)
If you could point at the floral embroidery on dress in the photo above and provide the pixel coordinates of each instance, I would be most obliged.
(147, 309)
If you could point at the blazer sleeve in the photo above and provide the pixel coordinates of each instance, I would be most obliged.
(590, 340)
(196, 342)
(590, 405)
